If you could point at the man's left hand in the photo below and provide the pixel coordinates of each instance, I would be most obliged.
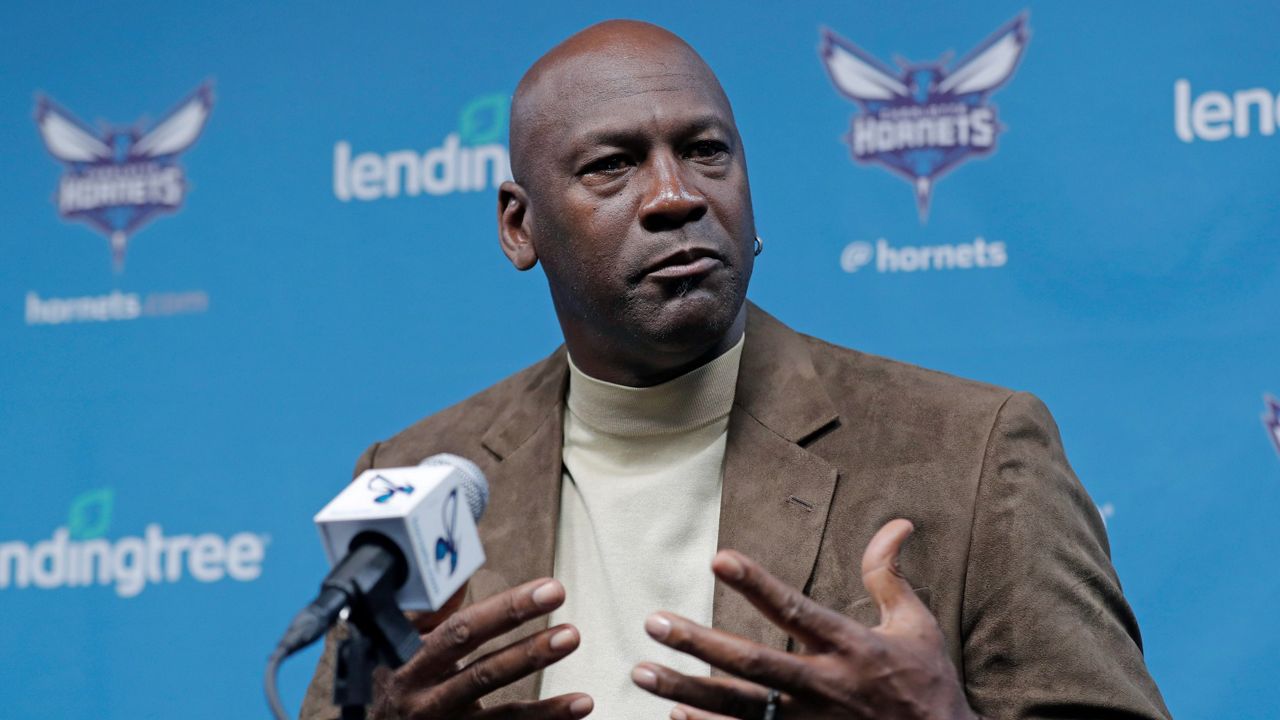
(897, 669)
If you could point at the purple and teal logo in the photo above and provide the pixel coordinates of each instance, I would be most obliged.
(923, 120)
(1271, 419)
(119, 178)
(387, 488)
(447, 545)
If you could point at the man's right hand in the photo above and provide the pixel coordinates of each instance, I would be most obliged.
(433, 685)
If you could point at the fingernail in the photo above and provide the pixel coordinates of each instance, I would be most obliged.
(731, 568)
(581, 707)
(564, 639)
(657, 626)
(548, 595)
(645, 678)
(678, 714)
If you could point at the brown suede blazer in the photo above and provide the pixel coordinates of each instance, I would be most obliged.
(826, 445)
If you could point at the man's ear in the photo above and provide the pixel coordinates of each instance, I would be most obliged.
(513, 226)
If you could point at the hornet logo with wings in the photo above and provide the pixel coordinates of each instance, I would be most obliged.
(1271, 419)
(119, 179)
(925, 119)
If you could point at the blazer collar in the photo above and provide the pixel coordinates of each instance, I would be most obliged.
(541, 392)
(777, 383)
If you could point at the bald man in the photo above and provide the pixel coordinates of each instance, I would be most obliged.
(682, 430)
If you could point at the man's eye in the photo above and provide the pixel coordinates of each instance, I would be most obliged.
(707, 150)
(611, 164)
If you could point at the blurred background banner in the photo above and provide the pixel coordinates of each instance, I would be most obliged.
(243, 241)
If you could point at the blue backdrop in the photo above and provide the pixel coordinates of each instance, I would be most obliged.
(241, 241)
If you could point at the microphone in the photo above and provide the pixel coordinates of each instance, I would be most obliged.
(410, 531)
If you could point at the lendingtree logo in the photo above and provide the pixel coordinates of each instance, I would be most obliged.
(80, 555)
(470, 159)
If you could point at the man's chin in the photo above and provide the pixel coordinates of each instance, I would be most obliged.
(688, 322)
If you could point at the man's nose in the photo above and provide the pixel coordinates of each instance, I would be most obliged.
(670, 201)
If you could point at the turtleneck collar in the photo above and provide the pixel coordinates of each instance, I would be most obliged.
(692, 400)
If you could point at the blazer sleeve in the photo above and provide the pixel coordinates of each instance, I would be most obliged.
(1047, 632)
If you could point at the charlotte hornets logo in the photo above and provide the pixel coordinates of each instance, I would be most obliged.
(119, 179)
(924, 119)
(384, 489)
(447, 545)
(1271, 419)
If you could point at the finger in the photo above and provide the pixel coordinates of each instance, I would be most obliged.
(570, 707)
(497, 669)
(814, 625)
(726, 696)
(882, 576)
(686, 712)
(731, 653)
(471, 627)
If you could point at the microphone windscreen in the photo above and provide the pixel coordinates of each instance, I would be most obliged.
(474, 485)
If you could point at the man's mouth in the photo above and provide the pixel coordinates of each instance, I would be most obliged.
(685, 263)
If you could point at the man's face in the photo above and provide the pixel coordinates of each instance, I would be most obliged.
(639, 204)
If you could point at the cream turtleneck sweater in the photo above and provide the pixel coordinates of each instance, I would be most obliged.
(639, 516)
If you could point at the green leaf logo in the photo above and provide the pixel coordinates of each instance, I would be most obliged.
(483, 120)
(90, 514)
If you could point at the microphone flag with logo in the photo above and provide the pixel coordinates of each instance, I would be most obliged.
(417, 509)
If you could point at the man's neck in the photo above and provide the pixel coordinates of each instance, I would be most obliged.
(626, 366)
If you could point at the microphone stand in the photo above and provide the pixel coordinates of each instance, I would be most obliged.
(379, 634)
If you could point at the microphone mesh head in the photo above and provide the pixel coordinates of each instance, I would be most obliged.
(474, 485)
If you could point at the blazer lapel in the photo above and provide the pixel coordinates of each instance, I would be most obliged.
(526, 441)
(776, 494)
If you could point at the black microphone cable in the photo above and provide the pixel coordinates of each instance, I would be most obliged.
(269, 684)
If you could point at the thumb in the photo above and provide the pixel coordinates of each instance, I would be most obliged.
(882, 576)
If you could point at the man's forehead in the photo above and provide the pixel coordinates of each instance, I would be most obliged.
(583, 99)
(617, 66)
(599, 74)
